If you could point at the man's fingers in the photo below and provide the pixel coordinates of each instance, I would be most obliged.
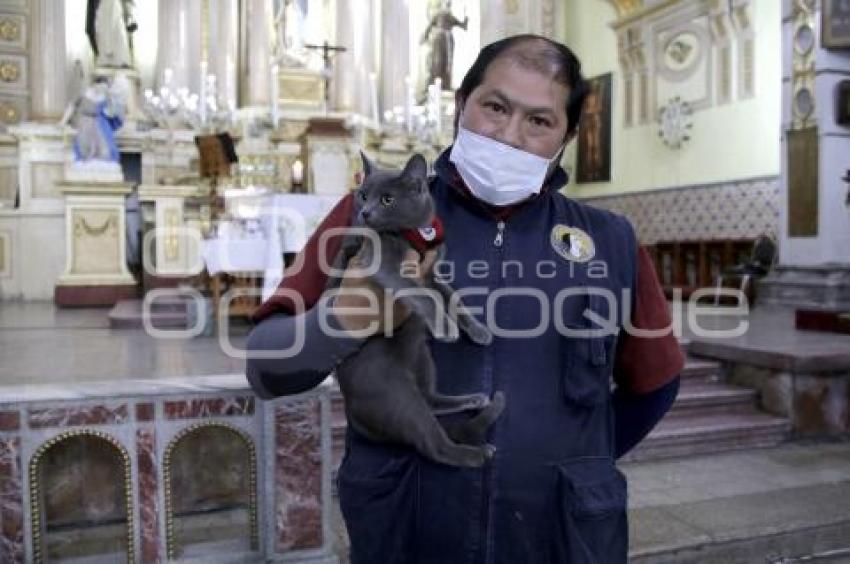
(428, 261)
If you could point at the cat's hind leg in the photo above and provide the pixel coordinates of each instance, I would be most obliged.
(433, 442)
(441, 404)
(473, 431)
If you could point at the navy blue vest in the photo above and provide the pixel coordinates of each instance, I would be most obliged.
(553, 493)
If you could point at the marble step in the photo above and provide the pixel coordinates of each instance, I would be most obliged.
(702, 399)
(687, 436)
(701, 370)
(165, 312)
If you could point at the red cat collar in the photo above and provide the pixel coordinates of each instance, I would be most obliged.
(425, 238)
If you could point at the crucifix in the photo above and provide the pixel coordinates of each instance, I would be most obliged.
(328, 51)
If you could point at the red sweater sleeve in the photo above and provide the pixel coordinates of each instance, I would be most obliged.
(644, 364)
(305, 276)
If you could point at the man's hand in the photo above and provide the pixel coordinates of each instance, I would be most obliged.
(374, 322)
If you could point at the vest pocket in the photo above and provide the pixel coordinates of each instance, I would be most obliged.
(588, 366)
(593, 495)
(588, 350)
(377, 496)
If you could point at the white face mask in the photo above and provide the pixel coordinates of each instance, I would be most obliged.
(497, 173)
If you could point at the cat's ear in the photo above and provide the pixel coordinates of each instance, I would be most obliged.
(367, 164)
(416, 167)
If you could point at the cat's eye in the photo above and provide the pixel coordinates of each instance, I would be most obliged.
(386, 200)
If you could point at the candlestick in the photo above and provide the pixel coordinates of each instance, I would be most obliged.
(408, 106)
(275, 86)
(203, 93)
(373, 84)
(438, 110)
(231, 82)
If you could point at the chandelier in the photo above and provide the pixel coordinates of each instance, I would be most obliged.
(175, 108)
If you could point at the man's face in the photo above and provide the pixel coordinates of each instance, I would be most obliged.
(518, 106)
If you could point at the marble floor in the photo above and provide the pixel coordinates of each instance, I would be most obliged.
(40, 343)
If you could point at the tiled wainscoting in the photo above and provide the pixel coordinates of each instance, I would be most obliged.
(743, 209)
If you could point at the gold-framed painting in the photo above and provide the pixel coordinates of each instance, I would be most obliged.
(594, 134)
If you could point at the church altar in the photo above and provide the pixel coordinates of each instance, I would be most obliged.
(264, 72)
(253, 245)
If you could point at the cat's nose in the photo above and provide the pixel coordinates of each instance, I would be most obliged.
(365, 215)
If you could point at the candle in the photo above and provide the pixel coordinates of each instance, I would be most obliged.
(203, 96)
(373, 84)
(408, 106)
(438, 111)
(275, 85)
(212, 93)
(297, 172)
(231, 82)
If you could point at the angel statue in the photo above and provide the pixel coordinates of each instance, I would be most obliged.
(109, 25)
(98, 112)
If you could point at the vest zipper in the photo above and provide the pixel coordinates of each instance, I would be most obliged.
(498, 241)
(500, 234)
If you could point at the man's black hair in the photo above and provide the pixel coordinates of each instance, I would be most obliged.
(549, 58)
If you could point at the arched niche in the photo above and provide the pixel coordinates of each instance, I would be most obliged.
(210, 476)
(81, 499)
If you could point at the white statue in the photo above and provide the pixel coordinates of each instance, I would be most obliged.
(97, 113)
(109, 24)
(289, 21)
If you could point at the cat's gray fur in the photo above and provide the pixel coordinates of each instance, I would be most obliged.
(389, 385)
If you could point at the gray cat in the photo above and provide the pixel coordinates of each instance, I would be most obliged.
(389, 385)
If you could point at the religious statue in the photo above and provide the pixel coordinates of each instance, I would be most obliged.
(109, 25)
(289, 30)
(98, 112)
(441, 43)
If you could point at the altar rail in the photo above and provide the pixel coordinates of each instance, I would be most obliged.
(154, 470)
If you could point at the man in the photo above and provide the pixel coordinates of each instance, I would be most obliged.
(552, 493)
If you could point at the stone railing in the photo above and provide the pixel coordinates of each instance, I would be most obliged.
(195, 469)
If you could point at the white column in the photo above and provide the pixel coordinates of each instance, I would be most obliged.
(224, 46)
(255, 73)
(48, 63)
(179, 41)
(831, 243)
(356, 32)
(395, 54)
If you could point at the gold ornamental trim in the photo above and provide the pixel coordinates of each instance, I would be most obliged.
(9, 113)
(633, 10)
(10, 71)
(172, 240)
(82, 226)
(10, 30)
(35, 492)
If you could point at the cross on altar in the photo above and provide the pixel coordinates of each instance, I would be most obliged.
(328, 51)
